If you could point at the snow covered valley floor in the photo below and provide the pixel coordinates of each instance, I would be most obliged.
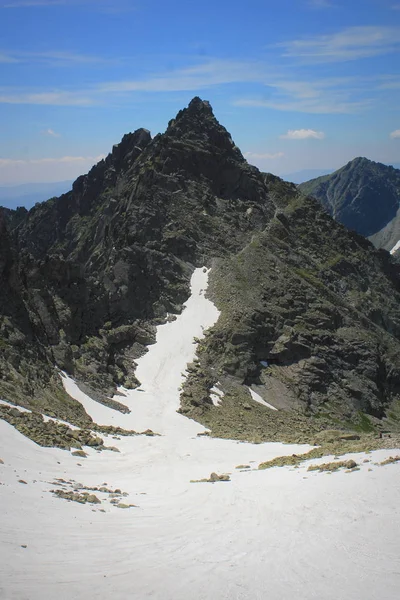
(283, 533)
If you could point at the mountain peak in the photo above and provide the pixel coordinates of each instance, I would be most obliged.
(197, 109)
(199, 105)
(363, 195)
(198, 123)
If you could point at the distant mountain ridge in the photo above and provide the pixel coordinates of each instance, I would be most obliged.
(363, 195)
(28, 194)
(305, 175)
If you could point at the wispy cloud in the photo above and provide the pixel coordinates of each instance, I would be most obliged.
(8, 162)
(395, 134)
(349, 44)
(303, 134)
(395, 7)
(389, 83)
(198, 77)
(47, 98)
(206, 75)
(315, 106)
(334, 95)
(51, 133)
(265, 155)
(6, 58)
(56, 58)
(330, 95)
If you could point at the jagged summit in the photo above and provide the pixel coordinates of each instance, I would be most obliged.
(197, 110)
(197, 106)
(198, 123)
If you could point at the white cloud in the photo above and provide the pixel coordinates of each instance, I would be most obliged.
(395, 7)
(51, 133)
(395, 134)
(303, 134)
(256, 156)
(349, 44)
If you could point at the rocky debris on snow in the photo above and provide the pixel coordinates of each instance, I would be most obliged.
(214, 477)
(390, 460)
(80, 453)
(334, 466)
(82, 498)
(330, 443)
(48, 433)
(112, 430)
(149, 433)
(83, 494)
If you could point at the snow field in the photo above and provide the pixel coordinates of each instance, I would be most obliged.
(281, 534)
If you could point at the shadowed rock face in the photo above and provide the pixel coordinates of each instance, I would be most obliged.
(363, 195)
(90, 274)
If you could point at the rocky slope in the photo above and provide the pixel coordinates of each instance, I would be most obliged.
(310, 319)
(363, 195)
(389, 236)
(86, 277)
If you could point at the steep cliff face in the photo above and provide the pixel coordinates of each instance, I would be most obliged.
(90, 274)
(363, 195)
(27, 373)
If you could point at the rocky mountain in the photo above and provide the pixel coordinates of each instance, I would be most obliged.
(363, 195)
(310, 312)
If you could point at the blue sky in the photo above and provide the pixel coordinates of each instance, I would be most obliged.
(300, 84)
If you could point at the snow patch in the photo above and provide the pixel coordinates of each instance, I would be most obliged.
(260, 400)
(396, 247)
(216, 395)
